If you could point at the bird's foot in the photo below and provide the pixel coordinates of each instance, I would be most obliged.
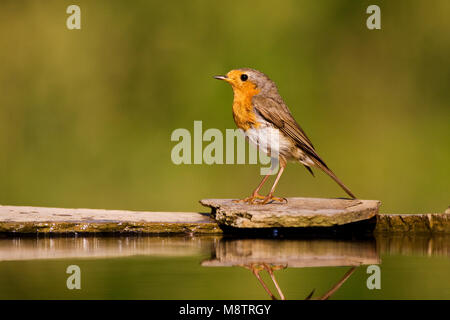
(274, 267)
(270, 198)
(252, 199)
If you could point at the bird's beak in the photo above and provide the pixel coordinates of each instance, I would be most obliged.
(221, 78)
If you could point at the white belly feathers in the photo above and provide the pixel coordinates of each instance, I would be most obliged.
(269, 140)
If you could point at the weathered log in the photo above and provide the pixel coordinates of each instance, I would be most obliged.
(413, 223)
(296, 213)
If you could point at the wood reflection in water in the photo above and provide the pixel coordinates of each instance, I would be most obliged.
(270, 255)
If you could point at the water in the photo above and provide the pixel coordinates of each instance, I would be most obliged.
(212, 267)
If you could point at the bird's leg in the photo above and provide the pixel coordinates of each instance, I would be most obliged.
(256, 269)
(270, 196)
(255, 195)
(339, 284)
(272, 275)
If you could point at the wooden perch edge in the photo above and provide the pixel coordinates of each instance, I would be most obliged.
(18, 220)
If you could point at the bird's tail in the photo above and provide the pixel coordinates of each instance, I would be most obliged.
(333, 176)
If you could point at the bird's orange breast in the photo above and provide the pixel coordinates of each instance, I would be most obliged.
(243, 114)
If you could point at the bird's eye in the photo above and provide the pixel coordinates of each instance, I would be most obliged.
(244, 77)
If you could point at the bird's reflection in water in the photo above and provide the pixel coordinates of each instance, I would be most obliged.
(257, 268)
(335, 287)
(269, 255)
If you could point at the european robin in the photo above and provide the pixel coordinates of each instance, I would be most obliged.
(261, 113)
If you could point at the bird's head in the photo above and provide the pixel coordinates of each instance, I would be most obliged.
(248, 81)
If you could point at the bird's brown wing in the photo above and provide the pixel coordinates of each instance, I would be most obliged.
(277, 113)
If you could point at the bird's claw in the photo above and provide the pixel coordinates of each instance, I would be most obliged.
(269, 198)
(252, 199)
(265, 200)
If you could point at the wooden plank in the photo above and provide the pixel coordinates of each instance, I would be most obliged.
(15, 219)
(40, 220)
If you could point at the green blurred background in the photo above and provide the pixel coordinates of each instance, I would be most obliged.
(86, 115)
